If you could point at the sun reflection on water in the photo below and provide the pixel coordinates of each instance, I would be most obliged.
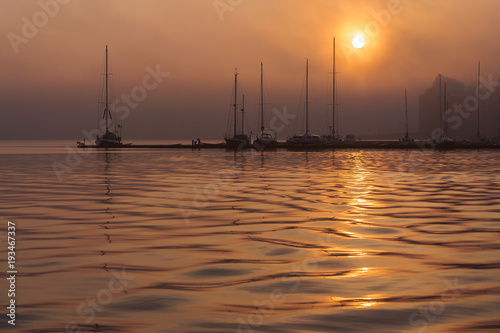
(366, 303)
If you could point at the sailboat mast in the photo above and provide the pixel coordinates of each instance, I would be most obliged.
(478, 91)
(333, 103)
(106, 111)
(445, 120)
(235, 100)
(440, 101)
(406, 111)
(307, 97)
(262, 97)
(243, 115)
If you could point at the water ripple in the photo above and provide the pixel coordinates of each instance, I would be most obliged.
(216, 241)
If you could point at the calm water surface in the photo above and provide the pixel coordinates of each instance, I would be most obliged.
(217, 241)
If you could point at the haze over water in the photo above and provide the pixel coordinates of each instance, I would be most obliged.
(218, 241)
(52, 68)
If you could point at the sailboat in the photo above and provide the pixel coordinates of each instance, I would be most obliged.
(307, 138)
(333, 137)
(406, 140)
(238, 140)
(109, 139)
(265, 137)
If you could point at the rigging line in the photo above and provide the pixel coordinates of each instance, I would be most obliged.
(230, 113)
(301, 115)
(338, 84)
(327, 115)
(266, 93)
(112, 96)
(314, 101)
(328, 96)
(100, 94)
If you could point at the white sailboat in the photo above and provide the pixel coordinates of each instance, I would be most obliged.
(110, 138)
(266, 137)
(238, 140)
(307, 138)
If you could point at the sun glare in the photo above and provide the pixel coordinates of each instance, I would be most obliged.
(358, 41)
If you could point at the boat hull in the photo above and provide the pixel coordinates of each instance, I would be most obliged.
(238, 142)
(265, 143)
(108, 140)
(306, 140)
(332, 139)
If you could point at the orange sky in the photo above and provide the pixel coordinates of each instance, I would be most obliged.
(50, 81)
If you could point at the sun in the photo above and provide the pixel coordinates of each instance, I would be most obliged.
(358, 41)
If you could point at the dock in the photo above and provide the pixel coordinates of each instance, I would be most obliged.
(363, 144)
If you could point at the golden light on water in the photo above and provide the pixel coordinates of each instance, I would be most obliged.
(366, 303)
(356, 254)
(356, 272)
(359, 303)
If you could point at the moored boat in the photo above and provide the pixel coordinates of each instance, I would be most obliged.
(307, 138)
(109, 139)
(406, 141)
(266, 137)
(238, 140)
(333, 137)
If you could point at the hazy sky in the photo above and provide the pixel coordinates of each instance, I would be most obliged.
(52, 59)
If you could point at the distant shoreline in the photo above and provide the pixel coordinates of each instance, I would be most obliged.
(323, 146)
